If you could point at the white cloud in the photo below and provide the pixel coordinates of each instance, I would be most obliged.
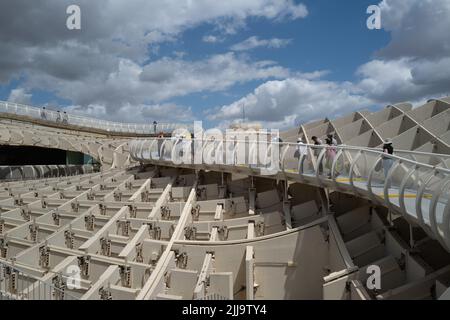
(412, 67)
(105, 70)
(255, 42)
(419, 28)
(156, 82)
(404, 79)
(180, 54)
(165, 112)
(286, 102)
(386, 80)
(105, 32)
(20, 96)
(415, 63)
(176, 77)
(102, 64)
(211, 39)
(290, 10)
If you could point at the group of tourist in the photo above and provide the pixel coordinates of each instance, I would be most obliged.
(331, 151)
(60, 118)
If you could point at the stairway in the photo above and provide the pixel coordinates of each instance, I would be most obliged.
(365, 235)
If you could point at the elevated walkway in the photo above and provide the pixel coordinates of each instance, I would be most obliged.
(413, 184)
(56, 119)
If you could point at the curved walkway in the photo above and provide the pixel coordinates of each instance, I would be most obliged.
(414, 184)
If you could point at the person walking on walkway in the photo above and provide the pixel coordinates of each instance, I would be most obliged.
(317, 142)
(58, 116)
(160, 142)
(387, 161)
(333, 140)
(277, 144)
(65, 119)
(301, 152)
(330, 153)
(43, 114)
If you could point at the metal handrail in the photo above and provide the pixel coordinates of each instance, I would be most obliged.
(14, 173)
(135, 142)
(73, 119)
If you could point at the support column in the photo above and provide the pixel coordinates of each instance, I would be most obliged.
(249, 275)
(287, 207)
(251, 200)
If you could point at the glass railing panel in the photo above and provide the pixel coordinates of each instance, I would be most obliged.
(350, 163)
(209, 153)
(290, 157)
(442, 201)
(167, 147)
(341, 164)
(397, 173)
(416, 178)
(307, 164)
(155, 149)
(432, 184)
(145, 151)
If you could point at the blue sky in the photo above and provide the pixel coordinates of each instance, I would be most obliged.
(334, 37)
(315, 58)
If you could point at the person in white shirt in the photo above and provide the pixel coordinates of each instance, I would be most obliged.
(65, 119)
(43, 114)
(58, 116)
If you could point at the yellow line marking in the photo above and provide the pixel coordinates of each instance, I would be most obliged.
(412, 195)
(348, 179)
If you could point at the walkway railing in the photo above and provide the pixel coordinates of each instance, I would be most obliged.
(17, 285)
(72, 119)
(29, 172)
(415, 184)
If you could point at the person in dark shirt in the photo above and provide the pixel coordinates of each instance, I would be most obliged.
(160, 142)
(387, 147)
(332, 139)
(387, 162)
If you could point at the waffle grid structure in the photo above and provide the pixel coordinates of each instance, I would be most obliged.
(147, 228)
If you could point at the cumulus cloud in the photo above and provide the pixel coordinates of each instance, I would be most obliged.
(419, 28)
(404, 79)
(157, 81)
(108, 68)
(106, 63)
(174, 77)
(19, 96)
(413, 66)
(255, 42)
(26, 29)
(165, 112)
(283, 103)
